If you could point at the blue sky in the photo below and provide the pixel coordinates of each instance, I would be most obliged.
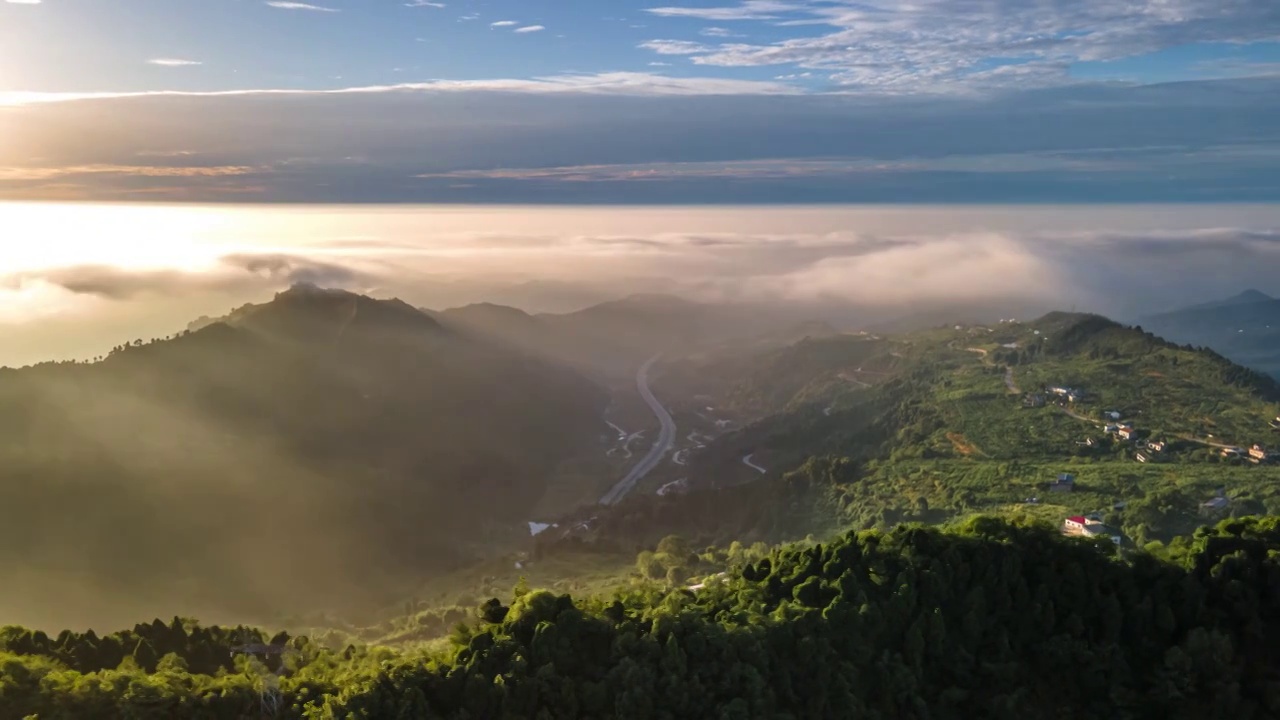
(780, 90)
(90, 45)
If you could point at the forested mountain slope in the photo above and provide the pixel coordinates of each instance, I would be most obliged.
(322, 442)
(993, 620)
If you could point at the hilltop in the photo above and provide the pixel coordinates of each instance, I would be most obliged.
(323, 444)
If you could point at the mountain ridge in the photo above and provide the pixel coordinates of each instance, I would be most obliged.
(379, 428)
(1245, 328)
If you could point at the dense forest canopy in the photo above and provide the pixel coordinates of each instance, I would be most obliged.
(992, 620)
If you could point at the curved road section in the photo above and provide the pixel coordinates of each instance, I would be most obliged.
(666, 439)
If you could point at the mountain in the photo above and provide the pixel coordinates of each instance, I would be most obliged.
(1245, 328)
(324, 442)
(1248, 297)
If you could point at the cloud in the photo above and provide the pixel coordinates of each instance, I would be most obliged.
(424, 3)
(942, 45)
(173, 62)
(152, 171)
(24, 2)
(862, 263)
(504, 23)
(898, 263)
(674, 47)
(281, 4)
(621, 83)
(748, 10)
(1235, 68)
(738, 141)
(530, 29)
(233, 273)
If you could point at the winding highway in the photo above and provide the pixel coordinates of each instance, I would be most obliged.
(666, 438)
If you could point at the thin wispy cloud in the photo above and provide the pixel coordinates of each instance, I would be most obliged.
(749, 10)
(173, 62)
(504, 23)
(424, 3)
(674, 47)
(23, 2)
(615, 83)
(283, 5)
(530, 29)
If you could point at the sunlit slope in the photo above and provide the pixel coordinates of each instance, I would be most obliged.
(321, 440)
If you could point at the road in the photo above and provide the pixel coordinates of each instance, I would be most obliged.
(1204, 441)
(1009, 382)
(1084, 418)
(751, 464)
(666, 438)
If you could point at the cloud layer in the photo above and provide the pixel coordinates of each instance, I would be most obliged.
(617, 137)
(861, 263)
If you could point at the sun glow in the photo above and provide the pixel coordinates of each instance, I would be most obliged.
(38, 236)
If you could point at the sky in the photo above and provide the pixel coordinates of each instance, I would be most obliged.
(635, 101)
(76, 280)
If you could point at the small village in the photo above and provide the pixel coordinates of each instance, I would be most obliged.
(1145, 450)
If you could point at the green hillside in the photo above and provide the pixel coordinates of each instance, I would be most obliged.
(944, 423)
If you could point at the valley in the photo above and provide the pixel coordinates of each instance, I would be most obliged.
(665, 473)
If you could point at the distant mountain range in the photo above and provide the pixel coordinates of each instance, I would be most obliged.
(1245, 328)
(319, 443)
(612, 338)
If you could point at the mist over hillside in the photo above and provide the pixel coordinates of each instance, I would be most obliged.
(1244, 327)
(313, 450)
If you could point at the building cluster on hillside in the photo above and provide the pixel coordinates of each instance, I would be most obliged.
(1033, 400)
(1091, 526)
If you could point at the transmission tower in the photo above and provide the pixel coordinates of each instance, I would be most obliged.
(270, 697)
